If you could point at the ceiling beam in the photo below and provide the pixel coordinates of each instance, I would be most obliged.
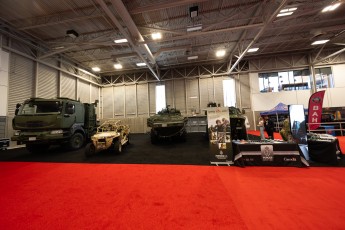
(114, 20)
(163, 5)
(257, 36)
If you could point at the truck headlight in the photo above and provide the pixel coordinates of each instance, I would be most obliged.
(59, 131)
(16, 133)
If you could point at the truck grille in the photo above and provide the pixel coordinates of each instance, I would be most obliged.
(33, 124)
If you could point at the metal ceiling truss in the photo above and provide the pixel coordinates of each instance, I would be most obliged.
(187, 72)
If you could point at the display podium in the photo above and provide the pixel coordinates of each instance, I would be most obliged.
(267, 153)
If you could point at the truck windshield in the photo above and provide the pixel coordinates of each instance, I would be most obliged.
(40, 107)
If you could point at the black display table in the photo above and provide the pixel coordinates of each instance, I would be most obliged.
(324, 151)
(267, 154)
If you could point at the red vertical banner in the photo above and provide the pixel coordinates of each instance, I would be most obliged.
(315, 109)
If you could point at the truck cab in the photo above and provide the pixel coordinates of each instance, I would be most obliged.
(40, 123)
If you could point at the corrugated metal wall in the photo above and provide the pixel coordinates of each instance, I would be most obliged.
(143, 100)
(21, 81)
(119, 100)
(68, 86)
(84, 91)
(47, 82)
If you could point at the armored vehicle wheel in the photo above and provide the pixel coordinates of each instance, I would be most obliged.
(154, 137)
(76, 141)
(90, 149)
(117, 147)
(37, 148)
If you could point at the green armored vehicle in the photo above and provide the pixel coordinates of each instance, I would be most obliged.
(238, 129)
(168, 123)
(237, 124)
(40, 122)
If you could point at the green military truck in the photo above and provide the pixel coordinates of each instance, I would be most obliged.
(39, 123)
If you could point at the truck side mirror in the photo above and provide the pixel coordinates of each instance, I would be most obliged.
(17, 108)
(70, 108)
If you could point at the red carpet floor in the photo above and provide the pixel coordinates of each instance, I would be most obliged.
(102, 196)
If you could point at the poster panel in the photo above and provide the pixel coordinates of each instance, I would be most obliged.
(219, 132)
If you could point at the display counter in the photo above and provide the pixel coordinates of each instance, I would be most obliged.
(267, 153)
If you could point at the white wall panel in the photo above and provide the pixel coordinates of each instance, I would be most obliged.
(119, 97)
(131, 100)
(84, 91)
(152, 98)
(21, 81)
(244, 91)
(206, 92)
(169, 93)
(266, 101)
(108, 102)
(218, 91)
(94, 93)
(180, 95)
(142, 99)
(192, 90)
(68, 86)
(47, 83)
(339, 75)
(4, 76)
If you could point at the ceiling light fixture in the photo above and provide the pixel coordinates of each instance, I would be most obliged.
(192, 57)
(319, 42)
(140, 64)
(123, 40)
(72, 33)
(194, 28)
(96, 69)
(156, 36)
(220, 53)
(331, 7)
(252, 50)
(117, 66)
(287, 11)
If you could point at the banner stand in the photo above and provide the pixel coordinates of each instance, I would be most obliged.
(219, 132)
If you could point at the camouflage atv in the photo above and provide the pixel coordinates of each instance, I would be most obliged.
(168, 123)
(111, 135)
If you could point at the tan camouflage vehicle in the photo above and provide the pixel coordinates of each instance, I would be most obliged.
(111, 135)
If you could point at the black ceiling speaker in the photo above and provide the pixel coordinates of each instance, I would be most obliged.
(72, 33)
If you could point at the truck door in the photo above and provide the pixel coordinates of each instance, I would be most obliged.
(69, 115)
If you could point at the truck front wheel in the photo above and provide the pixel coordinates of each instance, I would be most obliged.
(76, 141)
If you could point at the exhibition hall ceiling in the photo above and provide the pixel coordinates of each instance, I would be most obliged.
(188, 32)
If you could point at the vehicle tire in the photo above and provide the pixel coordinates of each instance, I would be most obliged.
(90, 149)
(183, 136)
(76, 141)
(117, 147)
(37, 148)
(154, 137)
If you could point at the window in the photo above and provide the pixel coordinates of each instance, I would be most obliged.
(324, 78)
(160, 98)
(229, 92)
(284, 81)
